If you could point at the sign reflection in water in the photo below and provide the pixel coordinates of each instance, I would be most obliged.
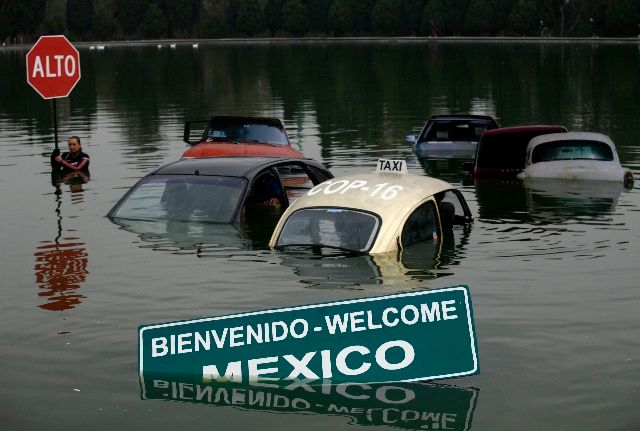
(399, 405)
(62, 264)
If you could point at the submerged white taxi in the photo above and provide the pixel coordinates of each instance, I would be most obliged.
(574, 156)
(377, 212)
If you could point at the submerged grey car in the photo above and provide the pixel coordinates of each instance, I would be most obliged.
(218, 190)
(451, 135)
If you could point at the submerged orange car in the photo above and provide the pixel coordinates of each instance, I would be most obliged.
(232, 136)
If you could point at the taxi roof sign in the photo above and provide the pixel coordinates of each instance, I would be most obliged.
(389, 166)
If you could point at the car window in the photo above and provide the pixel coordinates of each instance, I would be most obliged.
(319, 174)
(422, 225)
(183, 198)
(295, 181)
(453, 209)
(341, 228)
(503, 150)
(506, 150)
(266, 189)
(571, 149)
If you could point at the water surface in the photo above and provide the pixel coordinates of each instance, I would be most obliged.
(552, 267)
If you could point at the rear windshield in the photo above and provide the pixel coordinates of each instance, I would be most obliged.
(457, 131)
(183, 198)
(571, 150)
(506, 150)
(244, 131)
(340, 228)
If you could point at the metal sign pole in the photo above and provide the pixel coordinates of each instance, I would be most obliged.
(55, 123)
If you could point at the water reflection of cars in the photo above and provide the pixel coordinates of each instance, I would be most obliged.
(201, 239)
(541, 201)
(403, 405)
(561, 201)
(502, 152)
(449, 169)
(574, 156)
(372, 213)
(218, 190)
(240, 136)
(452, 135)
(408, 268)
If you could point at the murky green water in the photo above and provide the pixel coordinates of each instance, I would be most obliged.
(553, 268)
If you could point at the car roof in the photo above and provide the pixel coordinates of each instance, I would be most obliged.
(571, 136)
(227, 166)
(446, 117)
(261, 120)
(415, 188)
(534, 128)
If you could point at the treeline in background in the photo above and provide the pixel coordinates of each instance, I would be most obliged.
(22, 21)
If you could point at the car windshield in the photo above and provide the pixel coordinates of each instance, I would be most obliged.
(341, 228)
(244, 131)
(183, 198)
(447, 131)
(570, 150)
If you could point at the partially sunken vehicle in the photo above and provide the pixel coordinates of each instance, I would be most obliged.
(575, 156)
(372, 212)
(234, 136)
(502, 152)
(218, 190)
(452, 135)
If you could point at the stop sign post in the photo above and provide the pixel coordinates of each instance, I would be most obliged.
(53, 69)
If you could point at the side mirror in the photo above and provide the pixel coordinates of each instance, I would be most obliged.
(410, 138)
(187, 132)
(468, 166)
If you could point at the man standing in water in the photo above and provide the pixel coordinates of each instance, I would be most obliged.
(73, 160)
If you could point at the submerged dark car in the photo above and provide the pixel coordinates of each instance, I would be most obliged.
(451, 135)
(218, 190)
(503, 152)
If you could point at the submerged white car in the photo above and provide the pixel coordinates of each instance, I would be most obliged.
(574, 156)
(372, 212)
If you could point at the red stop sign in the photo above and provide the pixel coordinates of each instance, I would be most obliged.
(53, 66)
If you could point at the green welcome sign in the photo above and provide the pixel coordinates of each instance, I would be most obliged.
(406, 405)
(403, 337)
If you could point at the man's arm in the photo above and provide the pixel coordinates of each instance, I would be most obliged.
(80, 166)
